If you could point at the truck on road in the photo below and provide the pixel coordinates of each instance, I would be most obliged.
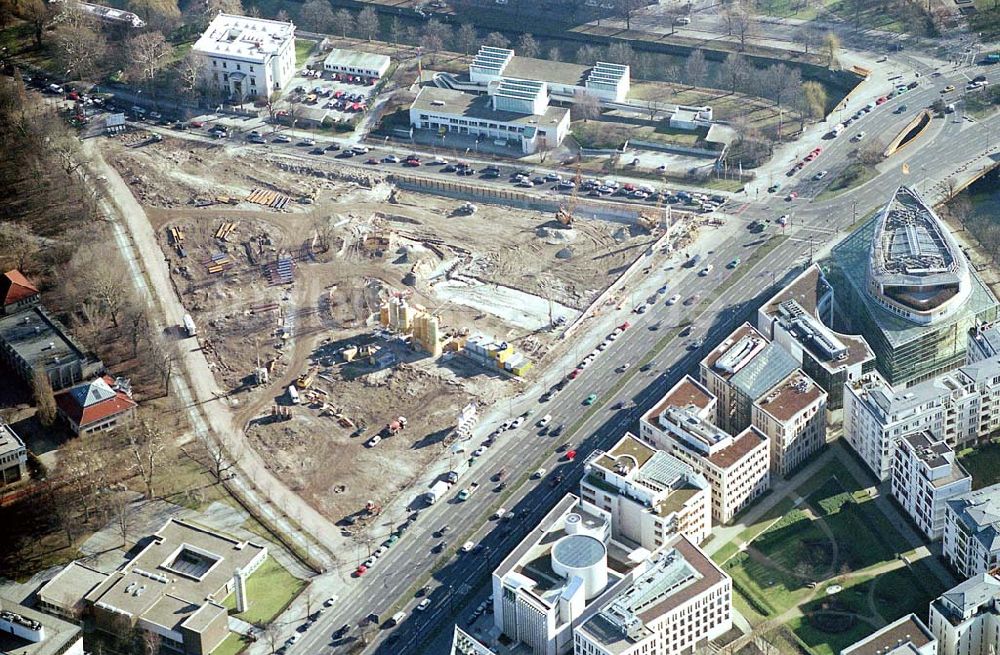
(293, 394)
(189, 327)
(437, 490)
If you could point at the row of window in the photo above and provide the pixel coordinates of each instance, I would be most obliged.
(215, 63)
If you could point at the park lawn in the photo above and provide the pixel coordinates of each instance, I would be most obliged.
(270, 589)
(825, 643)
(983, 464)
(302, 49)
(760, 113)
(905, 590)
(751, 532)
(232, 645)
(789, 544)
(800, 9)
(607, 134)
(852, 597)
(768, 590)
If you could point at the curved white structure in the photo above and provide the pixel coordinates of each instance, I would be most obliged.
(915, 268)
(583, 557)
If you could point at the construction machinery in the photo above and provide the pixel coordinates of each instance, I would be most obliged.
(565, 212)
(649, 219)
(306, 379)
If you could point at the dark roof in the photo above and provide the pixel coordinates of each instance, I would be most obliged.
(908, 629)
(14, 287)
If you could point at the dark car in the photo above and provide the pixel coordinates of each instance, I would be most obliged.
(686, 331)
(342, 631)
(448, 168)
(332, 147)
(557, 431)
(645, 367)
(556, 479)
(439, 548)
(563, 448)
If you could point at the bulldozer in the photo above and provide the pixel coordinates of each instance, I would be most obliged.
(306, 379)
(565, 212)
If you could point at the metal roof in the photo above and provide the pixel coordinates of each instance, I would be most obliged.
(767, 369)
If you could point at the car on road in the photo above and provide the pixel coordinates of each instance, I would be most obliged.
(624, 326)
(281, 138)
(518, 422)
(590, 400)
(691, 299)
(545, 420)
(820, 175)
(662, 290)
(639, 309)
(557, 431)
(948, 89)
(624, 367)
(360, 571)
(330, 601)
(563, 447)
(735, 263)
(791, 196)
(570, 455)
(479, 452)
(773, 188)
(439, 547)
(705, 271)
(342, 631)
(424, 604)
(672, 300)
(307, 143)
(646, 367)
(390, 159)
(783, 219)
(860, 135)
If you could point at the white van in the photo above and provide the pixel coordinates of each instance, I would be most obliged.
(539, 473)
(396, 619)
(545, 420)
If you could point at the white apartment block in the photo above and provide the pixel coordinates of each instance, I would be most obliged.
(925, 476)
(604, 80)
(906, 635)
(983, 342)
(675, 602)
(246, 58)
(972, 531)
(737, 467)
(959, 407)
(792, 415)
(650, 495)
(966, 619)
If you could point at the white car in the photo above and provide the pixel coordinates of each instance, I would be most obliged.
(518, 422)
(478, 452)
(545, 420)
(783, 219)
(424, 604)
(674, 299)
(858, 137)
(624, 367)
(820, 175)
(467, 546)
(330, 601)
(601, 346)
(705, 271)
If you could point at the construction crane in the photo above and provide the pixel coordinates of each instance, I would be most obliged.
(565, 212)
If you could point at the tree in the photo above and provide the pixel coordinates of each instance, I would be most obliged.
(215, 7)
(496, 40)
(869, 153)
(740, 23)
(148, 54)
(778, 81)
(620, 53)
(585, 106)
(814, 99)
(189, 75)
(395, 31)
(527, 46)
(343, 20)
(119, 507)
(220, 462)
(368, 23)
(587, 54)
(466, 38)
(696, 68)
(38, 14)
(79, 44)
(316, 15)
(45, 400)
(806, 36)
(146, 442)
(554, 54)
(831, 46)
(18, 246)
(628, 9)
(282, 17)
(136, 320)
(734, 71)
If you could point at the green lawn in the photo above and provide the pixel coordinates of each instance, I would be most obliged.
(826, 643)
(905, 590)
(750, 533)
(270, 589)
(232, 645)
(983, 464)
(609, 134)
(302, 49)
(769, 591)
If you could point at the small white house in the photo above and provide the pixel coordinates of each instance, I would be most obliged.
(353, 62)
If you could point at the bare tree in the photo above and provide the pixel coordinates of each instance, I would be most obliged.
(221, 462)
(189, 75)
(814, 97)
(17, 246)
(119, 507)
(628, 9)
(368, 23)
(436, 34)
(79, 44)
(554, 54)
(527, 46)
(163, 360)
(146, 443)
(734, 71)
(45, 401)
(343, 21)
(831, 46)
(496, 40)
(585, 106)
(621, 52)
(316, 15)
(136, 323)
(148, 54)
(466, 38)
(587, 54)
(396, 31)
(696, 68)
(806, 36)
(282, 16)
(779, 81)
(740, 23)
(38, 14)
(868, 154)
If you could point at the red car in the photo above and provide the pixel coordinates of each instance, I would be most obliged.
(881, 101)
(196, 124)
(817, 150)
(791, 196)
(570, 455)
(361, 571)
(575, 372)
(624, 326)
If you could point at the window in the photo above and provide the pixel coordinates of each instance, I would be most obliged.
(251, 69)
(225, 77)
(238, 67)
(224, 64)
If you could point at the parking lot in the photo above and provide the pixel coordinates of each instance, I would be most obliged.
(344, 99)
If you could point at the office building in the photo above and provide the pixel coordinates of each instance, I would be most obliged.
(798, 318)
(101, 404)
(370, 67)
(983, 343)
(173, 588)
(245, 58)
(960, 407)
(906, 635)
(16, 292)
(649, 494)
(965, 620)
(918, 298)
(925, 476)
(972, 531)
(31, 340)
(738, 468)
(64, 594)
(739, 371)
(13, 456)
(792, 415)
(514, 113)
(462, 643)
(24, 631)
(676, 602)
(604, 80)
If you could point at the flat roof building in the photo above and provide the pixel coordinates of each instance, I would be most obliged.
(24, 631)
(13, 456)
(965, 620)
(462, 643)
(676, 602)
(918, 299)
(341, 61)
(174, 587)
(984, 342)
(972, 531)
(906, 635)
(246, 58)
(792, 414)
(604, 80)
(925, 475)
(798, 319)
(515, 112)
(737, 467)
(31, 340)
(649, 494)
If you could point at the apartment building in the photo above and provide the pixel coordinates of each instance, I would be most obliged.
(925, 476)
(737, 467)
(960, 407)
(649, 494)
(965, 620)
(604, 80)
(906, 635)
(246, 58)
(675, 602)
(792, 414)
(798, 318)
(462, 643)
(739, 371)
(972, 531)
(984, 342)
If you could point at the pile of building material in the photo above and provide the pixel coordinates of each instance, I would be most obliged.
(281, 271)
(176, 237)
(219, 262)
(225, 230)
(267, 198)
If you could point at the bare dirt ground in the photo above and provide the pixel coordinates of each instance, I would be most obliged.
(500, 271)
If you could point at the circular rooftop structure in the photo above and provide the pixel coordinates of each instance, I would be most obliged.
(584, 557)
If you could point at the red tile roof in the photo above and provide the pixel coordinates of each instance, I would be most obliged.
(14, 287)
(69, 402)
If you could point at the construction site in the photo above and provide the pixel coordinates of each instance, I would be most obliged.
(329, 303)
